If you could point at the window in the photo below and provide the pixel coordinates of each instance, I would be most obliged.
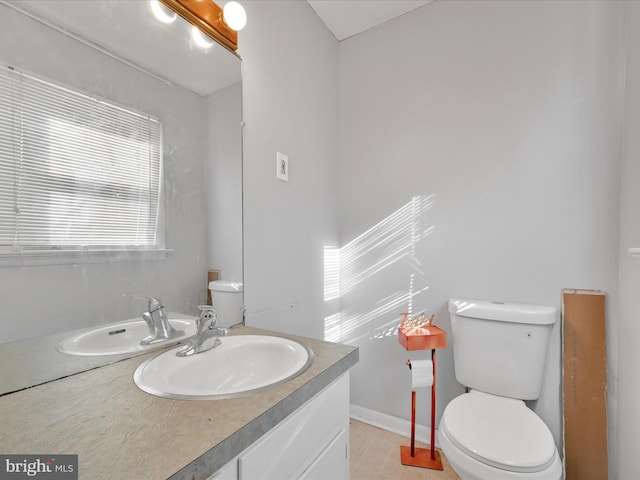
(77, 173)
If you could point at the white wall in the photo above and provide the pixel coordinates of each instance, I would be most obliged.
(38, 300)
(487, 136)
(290, 95)
(628, 433)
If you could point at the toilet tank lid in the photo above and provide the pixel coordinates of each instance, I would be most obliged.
(225, 286)
(504, 312)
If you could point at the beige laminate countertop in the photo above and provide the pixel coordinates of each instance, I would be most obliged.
(120, 432)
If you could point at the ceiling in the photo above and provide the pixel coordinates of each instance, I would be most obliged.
(346, 18)
(130, 24)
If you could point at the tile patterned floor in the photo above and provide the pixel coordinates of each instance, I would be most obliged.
(375, 454)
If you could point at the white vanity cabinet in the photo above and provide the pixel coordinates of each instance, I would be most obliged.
(312, 443)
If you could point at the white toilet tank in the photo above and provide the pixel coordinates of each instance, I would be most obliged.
(501, 348)
(228, 300)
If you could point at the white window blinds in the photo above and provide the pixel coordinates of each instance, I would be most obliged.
(76, 172)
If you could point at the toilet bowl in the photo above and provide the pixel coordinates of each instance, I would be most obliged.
(499, 355)
(485, 436)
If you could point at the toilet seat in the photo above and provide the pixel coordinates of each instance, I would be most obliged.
(501, 432)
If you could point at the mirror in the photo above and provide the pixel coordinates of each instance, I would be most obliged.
(118, 52)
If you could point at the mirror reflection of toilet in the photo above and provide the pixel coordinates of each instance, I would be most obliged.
(499, 353)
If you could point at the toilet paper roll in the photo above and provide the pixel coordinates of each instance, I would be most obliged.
(421, 373)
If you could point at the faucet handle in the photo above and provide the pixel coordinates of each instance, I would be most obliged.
(154, 303)
(208, 317)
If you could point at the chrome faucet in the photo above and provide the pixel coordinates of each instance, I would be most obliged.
(156, 319)
(207, 330)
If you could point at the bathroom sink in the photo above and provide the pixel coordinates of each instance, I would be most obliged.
(121, 337)
(240, 365)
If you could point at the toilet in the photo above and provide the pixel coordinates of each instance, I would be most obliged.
(499, 354)
(228, 301)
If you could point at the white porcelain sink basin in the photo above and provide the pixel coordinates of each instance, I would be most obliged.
(242, 364)
(121, 337)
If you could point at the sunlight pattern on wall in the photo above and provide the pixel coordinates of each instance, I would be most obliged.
(348, 327)
(351, 268)
(331, 273)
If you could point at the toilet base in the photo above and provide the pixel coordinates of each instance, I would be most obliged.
(422, 458)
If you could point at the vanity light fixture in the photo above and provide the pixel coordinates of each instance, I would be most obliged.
(162, 13)
(210, 19)
(234, 15)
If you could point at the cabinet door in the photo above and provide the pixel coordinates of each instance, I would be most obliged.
(228, 472)
(291, 447)
(333, 462)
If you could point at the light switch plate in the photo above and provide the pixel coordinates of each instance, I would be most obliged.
(282, 166)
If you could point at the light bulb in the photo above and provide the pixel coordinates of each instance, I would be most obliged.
(234, 16)
(200, 39)
(162, 13)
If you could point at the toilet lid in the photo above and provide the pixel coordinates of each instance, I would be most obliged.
(501, 432)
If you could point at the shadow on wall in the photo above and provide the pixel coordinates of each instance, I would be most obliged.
(391, 243)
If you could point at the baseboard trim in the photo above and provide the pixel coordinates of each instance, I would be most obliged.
(391, 423)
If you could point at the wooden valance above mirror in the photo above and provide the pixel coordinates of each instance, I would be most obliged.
(208, 17)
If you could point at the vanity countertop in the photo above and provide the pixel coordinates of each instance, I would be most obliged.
(120, 432)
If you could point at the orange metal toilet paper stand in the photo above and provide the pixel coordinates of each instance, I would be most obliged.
(419, 334)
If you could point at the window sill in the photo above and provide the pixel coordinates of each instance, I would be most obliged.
(71, 257)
